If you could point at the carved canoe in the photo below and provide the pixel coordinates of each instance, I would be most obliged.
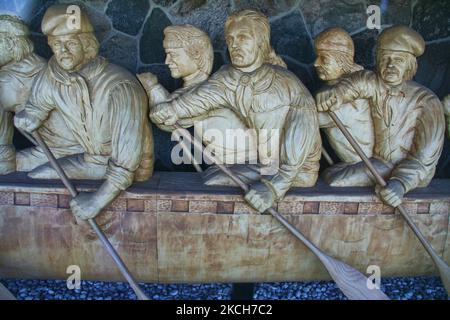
(174, 229)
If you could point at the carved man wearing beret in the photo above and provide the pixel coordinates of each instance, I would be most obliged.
(103, 105)
(19, 66)
(266, 98)
(408, 118)
(335, 53)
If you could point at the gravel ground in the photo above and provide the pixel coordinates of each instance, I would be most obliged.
(417, 288)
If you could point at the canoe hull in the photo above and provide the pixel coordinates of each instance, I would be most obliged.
(167, 234)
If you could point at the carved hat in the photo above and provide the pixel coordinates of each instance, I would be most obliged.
(335, 39)
(60, 20)
(401, 38)
(13, 25)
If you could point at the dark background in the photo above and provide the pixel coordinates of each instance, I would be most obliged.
(131, 35)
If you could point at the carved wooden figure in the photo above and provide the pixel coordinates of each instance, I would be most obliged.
(408, 118)
(335, 53)
(103, 105)
(19, 67)
(189, 55)
(265, 97)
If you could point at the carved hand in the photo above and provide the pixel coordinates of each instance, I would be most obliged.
(392, 194)
(260, 197)
(26, 122)
(163, 114)
(327, 100)
(85, 206)
(148, 80)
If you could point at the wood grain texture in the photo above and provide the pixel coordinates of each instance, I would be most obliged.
(163, 245)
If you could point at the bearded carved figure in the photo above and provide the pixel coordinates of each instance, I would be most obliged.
(335, 53)
(19, 66)
(189, 55)
(408, 118)
(255, 92)
(103, 106)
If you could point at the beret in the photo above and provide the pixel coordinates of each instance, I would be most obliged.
(13, 25)
(401, 38)
(335, 39)
(59, 21)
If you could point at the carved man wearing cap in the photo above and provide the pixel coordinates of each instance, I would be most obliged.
(408, 118)
(19, 67)
(268, 99)
(103, 105)
(335, 52)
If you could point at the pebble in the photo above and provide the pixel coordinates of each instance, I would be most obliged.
(414, 288)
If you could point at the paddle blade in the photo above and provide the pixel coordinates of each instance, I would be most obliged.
(351, 282)
(5, 294)
(444, 272)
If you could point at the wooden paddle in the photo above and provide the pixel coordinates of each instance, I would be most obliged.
(351, 282)
(36, 139)
(441, 265)
(5, 294)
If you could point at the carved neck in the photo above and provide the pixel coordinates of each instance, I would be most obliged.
(194, 78)
(251, 68)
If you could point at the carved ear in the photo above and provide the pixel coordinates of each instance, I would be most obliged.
(9, 42)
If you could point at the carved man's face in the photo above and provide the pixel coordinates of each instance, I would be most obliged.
(242, 44)
(327, 67)
(392, 66)
(180, 63)
(68, 50)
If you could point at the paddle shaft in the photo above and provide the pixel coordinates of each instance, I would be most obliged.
(73, 192)
(443, 268)
(342, 273)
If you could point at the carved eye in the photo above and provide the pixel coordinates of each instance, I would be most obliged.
(72, 44)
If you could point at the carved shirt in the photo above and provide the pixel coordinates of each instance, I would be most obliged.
(409, 125)
(357, 118)
(105, 108)
(268, 98)
(16, 80)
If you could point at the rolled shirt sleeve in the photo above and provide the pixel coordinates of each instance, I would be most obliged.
(208, 96)
(420, 163)
(127, 111)
(301, 140)
(40, 103)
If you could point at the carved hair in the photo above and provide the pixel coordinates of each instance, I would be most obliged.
(412, 65)
(90, 45)
(16, 31)
(22, 48)
(196, 43)
(346, 62)
(261, 28)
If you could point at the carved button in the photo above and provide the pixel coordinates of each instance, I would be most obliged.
(245, 80)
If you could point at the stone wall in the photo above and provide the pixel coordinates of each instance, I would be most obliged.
(131, 35)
